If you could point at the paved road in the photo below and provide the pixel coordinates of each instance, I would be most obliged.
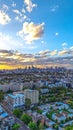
(17, 120)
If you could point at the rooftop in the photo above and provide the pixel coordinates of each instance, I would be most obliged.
(16, 95)
(3, 115)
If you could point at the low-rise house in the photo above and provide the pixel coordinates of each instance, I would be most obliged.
(36, 116)
(61, 105)
(66, 124)
(7, 123)
(44, 91)
(70, 115)
(70, 110)
(49, 122)
(58, 117)
(3, 113)
(1, 109)
(45, 107)
(61, 128)
(50, 128)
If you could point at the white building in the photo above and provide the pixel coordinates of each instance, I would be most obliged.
(33, 95)
(16, 100)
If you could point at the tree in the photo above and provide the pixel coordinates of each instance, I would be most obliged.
(16, 127)
(17, 112)
(1, 95)
(62, 121)
(26, 118)
(55, 126)
(27, 103)
(39, 111)
(49, 115)
(69, 127)
(41, 127)
(32, 126)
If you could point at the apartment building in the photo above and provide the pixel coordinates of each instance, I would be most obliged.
(33, 95)
(13, 86)
(16, 100)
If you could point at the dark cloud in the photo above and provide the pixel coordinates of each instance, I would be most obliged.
(43, 58)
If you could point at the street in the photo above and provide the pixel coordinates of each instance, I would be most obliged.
(17, 120)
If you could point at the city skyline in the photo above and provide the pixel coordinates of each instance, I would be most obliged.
(36, 33)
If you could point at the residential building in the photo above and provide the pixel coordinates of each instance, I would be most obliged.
(13, 86)
(16, 100)
(33, 95)
(44, 91)
(7, 123)
(3, 113)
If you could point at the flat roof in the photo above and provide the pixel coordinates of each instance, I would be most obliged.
(4, 115)
(14, 96)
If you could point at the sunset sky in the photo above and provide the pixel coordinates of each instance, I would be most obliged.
(36, 32)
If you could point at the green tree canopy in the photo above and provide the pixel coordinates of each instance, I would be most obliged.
(1, 95)
(32, 126)
(26, 118)
(27, 102)
(39, 111)
(16, 127)
(69, 127)
(17, 112)
(41, 127)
